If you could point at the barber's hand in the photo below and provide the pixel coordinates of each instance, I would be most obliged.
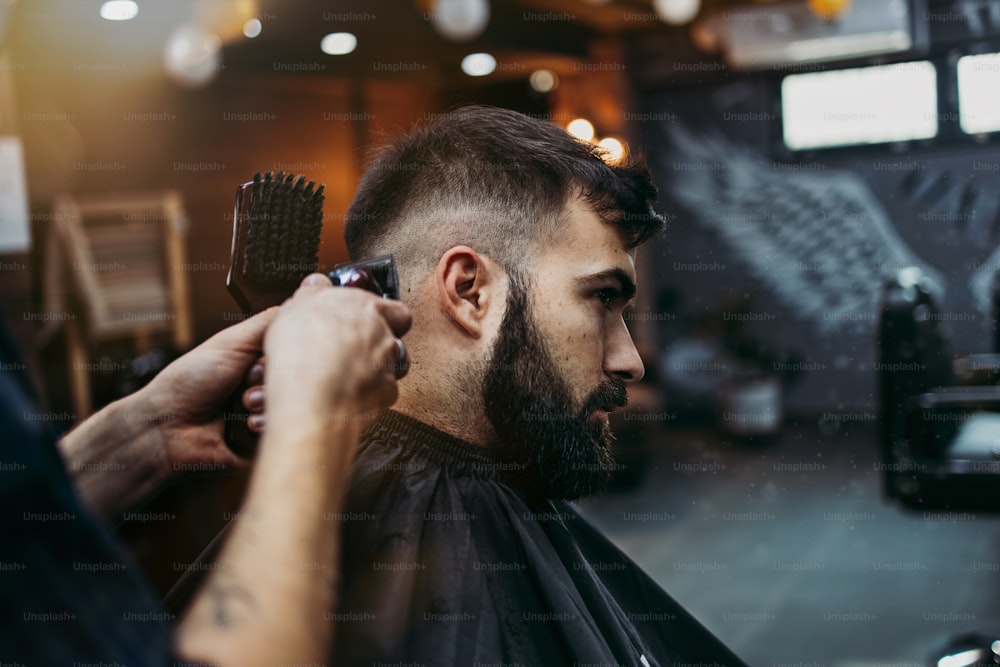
(188, 397)
(253, 397)
(331, 354)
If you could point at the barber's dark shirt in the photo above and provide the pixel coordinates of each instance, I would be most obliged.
(447, 563)
(69, 595)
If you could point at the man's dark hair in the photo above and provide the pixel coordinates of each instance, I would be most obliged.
(495, 180)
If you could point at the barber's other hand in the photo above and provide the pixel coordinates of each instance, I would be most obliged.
(186, 401)
(331, 354)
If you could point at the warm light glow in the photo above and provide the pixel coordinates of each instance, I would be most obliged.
(677, 12)
(615, 149)
(119, 10)
(479, 64)
(338, 43)
(192, 56)
(829, 9)
(978, 97)
(460, 20)
(543, 80)
(252, 28)
(581, 128)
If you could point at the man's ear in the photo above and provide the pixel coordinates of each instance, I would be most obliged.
(467, 287)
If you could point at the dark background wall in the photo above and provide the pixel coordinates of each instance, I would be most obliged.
(940, 196)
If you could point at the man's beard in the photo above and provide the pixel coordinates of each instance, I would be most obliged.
(559, 450)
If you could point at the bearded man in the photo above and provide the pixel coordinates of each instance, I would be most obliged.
(515, 245)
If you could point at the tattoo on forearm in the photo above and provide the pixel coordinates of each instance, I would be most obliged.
(229, 601)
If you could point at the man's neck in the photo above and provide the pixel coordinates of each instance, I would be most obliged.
(455, 420)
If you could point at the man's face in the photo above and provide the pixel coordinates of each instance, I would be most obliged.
(561, 360)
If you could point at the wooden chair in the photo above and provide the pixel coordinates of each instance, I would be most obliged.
(115, 269)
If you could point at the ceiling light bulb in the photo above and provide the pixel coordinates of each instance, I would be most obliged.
(677, 12)
(338, 43)
(460, 20)
(543, 80)
(119, 10)
(581, 128)
(615, 149)
(252, 28)
(192, 57)
(479, 64)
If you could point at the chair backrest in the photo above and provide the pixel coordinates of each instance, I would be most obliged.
(126, 262)
(115, 269)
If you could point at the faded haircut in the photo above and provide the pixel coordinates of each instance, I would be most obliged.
(495, 180)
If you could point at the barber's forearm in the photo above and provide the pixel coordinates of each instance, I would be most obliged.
(115, 457)
(267, 603)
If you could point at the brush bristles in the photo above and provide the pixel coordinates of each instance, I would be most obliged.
(286, 217)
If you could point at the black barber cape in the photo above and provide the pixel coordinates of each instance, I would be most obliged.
(445, 564)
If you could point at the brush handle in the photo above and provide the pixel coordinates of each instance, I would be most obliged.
(251, 301)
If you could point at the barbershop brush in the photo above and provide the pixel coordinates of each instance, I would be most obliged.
(276, 232)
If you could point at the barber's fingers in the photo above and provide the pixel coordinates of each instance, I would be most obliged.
(253, 402)
(257, 422)
(253, 399)
(246, 337)
(255, 374)
(396, 314)
(402, 359)
(337, 343)
(316, 280)
(253, 396)
(385, 390)
(393, 368)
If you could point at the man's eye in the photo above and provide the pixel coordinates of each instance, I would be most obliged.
(606, 296)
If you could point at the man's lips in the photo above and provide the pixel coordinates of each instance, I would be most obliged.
(600, 415)
(604, 412)
(615, 398)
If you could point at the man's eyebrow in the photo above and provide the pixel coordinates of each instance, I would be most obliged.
(626, 286)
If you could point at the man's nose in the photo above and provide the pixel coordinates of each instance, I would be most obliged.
(621, 358)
